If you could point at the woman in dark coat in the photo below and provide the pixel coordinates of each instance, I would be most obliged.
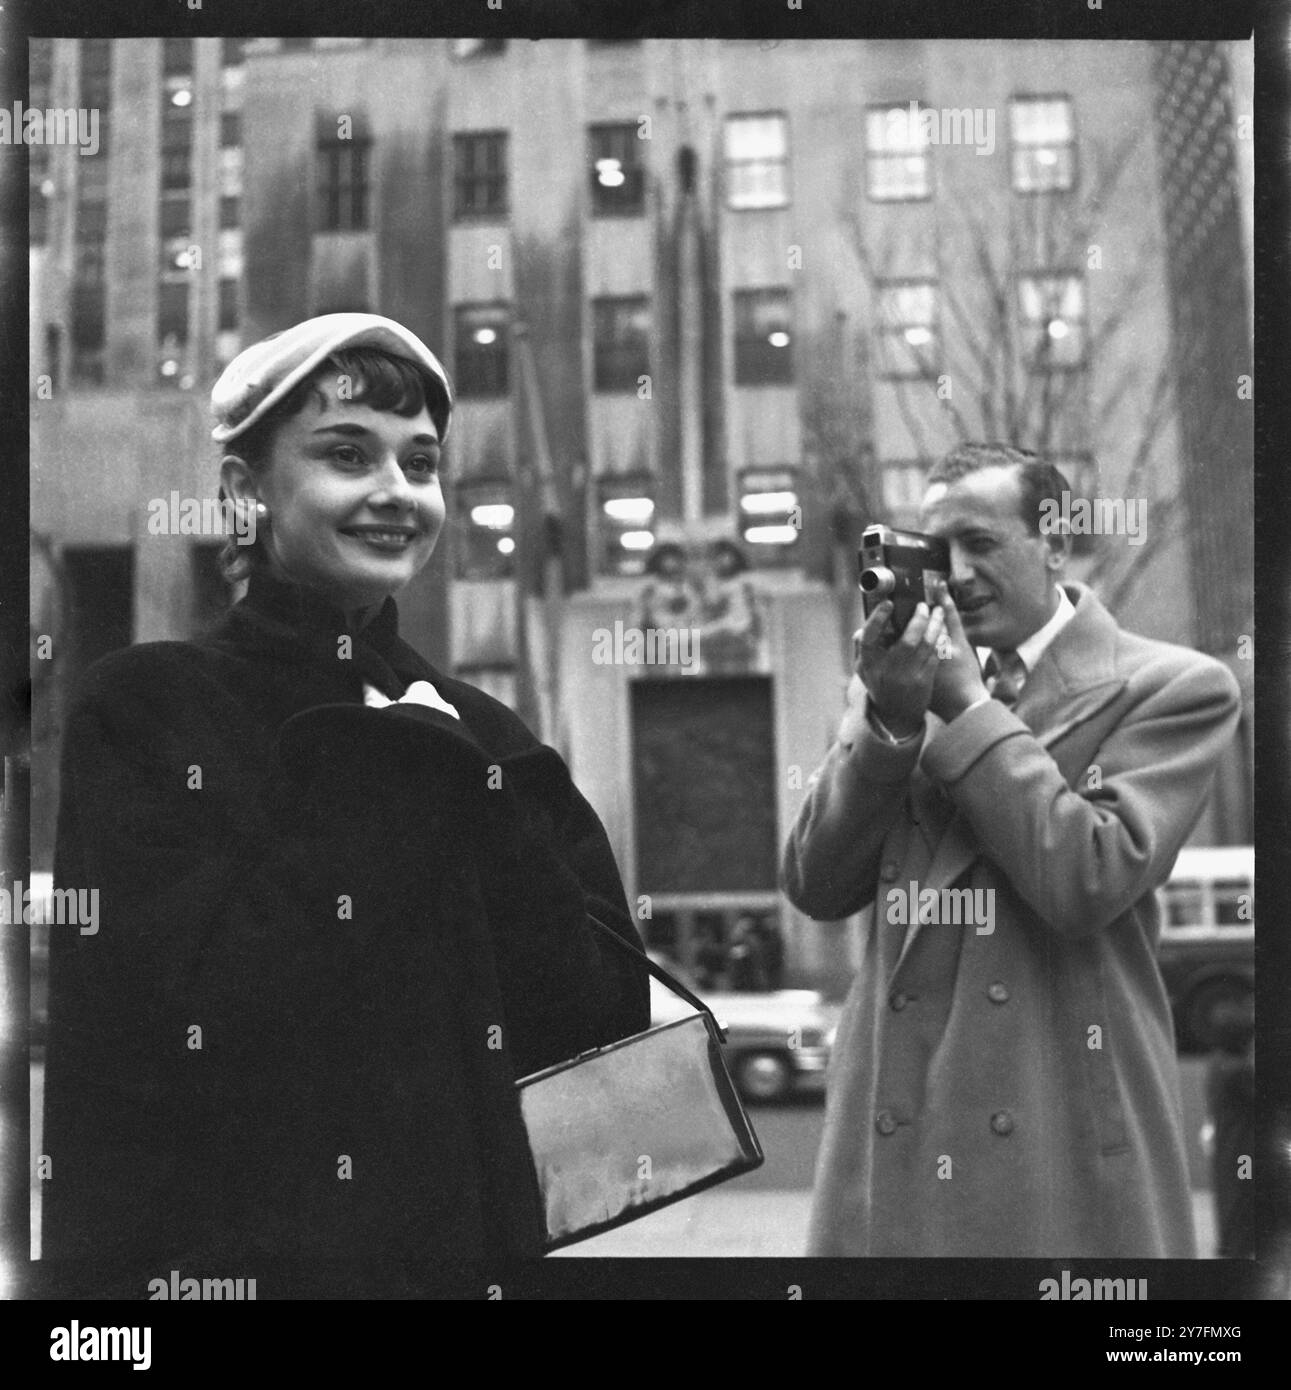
(343, 897)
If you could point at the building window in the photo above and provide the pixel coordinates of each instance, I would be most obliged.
(763, 338)
(621, 342)
(228, 320)
(343, 185)
(1052, 313)
(96, 73)
(903, 488)
(626, 517)
(231, 52)
(618, 178)
(757, 162)
(477, 48)
(175, 217)
(172, 313)
(295, 45)
(230, 129)
(897, 168)
(480, 174)
(769, 509)
(480, 352)
(907, 325)
(176, 57)
(1043, 139)
(176, 149)
(484, 536)
(230, 213)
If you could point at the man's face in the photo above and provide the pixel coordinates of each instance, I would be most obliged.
(1000, 575)
(354, 498)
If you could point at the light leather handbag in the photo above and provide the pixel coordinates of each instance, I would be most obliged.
(622, 1130)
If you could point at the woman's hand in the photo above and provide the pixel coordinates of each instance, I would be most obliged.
(899, 673)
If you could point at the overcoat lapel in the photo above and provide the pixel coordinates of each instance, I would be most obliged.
(1074, 679)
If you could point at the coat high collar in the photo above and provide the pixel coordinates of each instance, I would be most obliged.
(281, 621)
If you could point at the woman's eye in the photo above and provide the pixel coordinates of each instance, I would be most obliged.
(347, 454)
(425, 464)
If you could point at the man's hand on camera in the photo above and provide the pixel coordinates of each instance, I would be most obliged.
(957, 683)
(899, 672)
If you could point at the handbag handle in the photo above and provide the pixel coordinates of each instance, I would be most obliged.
(660, 974)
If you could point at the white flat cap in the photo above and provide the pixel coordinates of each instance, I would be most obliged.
(261, 375)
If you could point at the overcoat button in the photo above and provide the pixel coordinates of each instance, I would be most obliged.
(898, 1001)
(998, 993)
(885, 1122)
(1002, 1122)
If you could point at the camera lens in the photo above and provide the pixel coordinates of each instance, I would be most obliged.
(878, 580)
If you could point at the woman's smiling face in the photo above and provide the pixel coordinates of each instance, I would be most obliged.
(353, 495)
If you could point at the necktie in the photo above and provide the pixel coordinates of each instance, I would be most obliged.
(1008, 671)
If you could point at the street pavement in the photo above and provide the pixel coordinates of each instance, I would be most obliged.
(763, 1213)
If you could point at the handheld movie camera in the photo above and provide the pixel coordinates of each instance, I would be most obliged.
(902, 566)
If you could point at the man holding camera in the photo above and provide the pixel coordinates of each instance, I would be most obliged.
(1004, 1083)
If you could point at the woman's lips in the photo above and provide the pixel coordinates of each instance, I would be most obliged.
(390, 540)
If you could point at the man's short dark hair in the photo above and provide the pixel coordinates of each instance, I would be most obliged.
(1039, 480)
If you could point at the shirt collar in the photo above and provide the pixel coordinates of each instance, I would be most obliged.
(1033, 648)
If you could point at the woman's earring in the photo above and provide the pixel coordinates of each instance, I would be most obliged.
(262, 513)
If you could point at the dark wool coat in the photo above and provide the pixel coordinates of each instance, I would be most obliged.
(375, 917)
(1014, 1091)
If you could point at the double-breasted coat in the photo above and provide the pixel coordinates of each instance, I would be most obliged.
(1008, 1086)
(331, 937)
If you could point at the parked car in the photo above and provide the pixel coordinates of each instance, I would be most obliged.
(777, 1043)
(1207, 948)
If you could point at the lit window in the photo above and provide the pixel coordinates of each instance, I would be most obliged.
(1043, 144)
(484, 535)
(897, 168)
(343, 184)
(621, 342)
(480, 354)
(618, 179)
(1052, 311)
(763, 337)
(480, 174)
(757, 162)
(626, 521)
(477, 48)
(907, 325)
(770, 514)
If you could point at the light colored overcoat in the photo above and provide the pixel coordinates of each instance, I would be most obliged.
(1008, 1086)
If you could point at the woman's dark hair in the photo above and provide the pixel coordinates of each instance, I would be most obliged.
(378, 379)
